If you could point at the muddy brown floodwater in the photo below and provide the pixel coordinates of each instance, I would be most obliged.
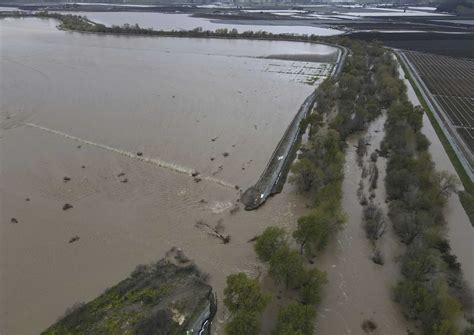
(358, 289)
(116, 127)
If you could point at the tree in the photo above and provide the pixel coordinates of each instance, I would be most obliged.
(286, 267)
(418, 263)
(313, 231)
(311, 290)
(243, 323)
(243, 294)
(447, 183)
(305, 174)
(272, 239)
(295, 319)
(415, 299)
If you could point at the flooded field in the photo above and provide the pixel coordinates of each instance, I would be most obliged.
(116, 127)
(163, 21)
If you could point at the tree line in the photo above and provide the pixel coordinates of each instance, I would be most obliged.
(432, 289)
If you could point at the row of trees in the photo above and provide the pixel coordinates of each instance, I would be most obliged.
(286, 267)
(432, 289)
(82, 24)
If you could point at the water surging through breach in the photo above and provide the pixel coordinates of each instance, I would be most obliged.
(155, 161)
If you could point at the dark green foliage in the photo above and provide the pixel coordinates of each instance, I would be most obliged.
(295, 319)
(286, 267)
(243, 323)
(267, 244)
(313, 230)
(245, 301)
(243, 294)
(311, 288)
(418, 263)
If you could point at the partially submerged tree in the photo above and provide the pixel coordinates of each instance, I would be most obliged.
(271, 240)
(312, 285)
(244, 299)
(286, 267)
(305, 174)
(244, 294)
(243, 323)
(295, 319)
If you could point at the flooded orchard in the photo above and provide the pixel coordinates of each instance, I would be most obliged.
(117, 128)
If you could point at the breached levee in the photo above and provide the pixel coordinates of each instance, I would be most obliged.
(273, 177)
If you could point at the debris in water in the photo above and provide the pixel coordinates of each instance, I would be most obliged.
(214, 231)
(212, 159)
(253, 239)
(66, 179)
(14, 220)
(214, 139)
(234, 209)
(225, 154)
(125, 180)
(83, 166)
(67, 206)
(368, 326)
(121, 174)
(74, 239)
(197, 179)
(139, 153)
(195, 174)
(27, 199)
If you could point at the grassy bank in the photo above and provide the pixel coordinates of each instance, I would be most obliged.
(467, 196)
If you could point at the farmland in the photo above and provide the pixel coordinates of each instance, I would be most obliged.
(449, 81)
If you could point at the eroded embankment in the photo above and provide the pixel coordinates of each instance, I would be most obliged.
(274, 174)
